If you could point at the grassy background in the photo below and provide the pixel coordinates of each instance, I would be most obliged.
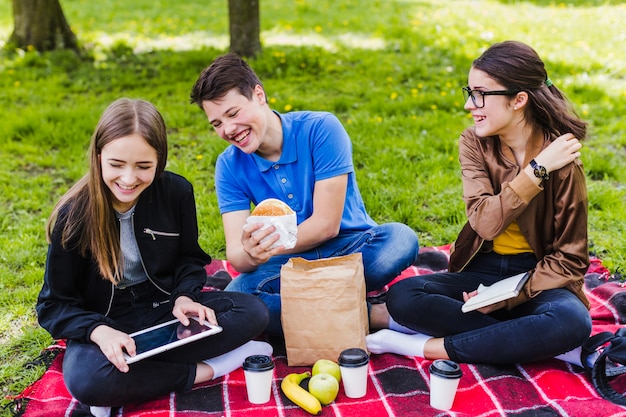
(390, 69)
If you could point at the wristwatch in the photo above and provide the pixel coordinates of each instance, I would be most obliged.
(539, 170)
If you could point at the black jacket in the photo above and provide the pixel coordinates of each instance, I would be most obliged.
(75, 298)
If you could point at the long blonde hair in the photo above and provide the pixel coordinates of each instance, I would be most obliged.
(89, 222)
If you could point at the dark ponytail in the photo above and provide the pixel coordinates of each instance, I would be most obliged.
(517, 66)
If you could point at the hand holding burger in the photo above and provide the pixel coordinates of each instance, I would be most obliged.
(274, 212)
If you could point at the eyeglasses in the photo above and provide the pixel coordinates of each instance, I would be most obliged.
(478, 96)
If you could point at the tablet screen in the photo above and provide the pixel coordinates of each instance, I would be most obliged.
(168, 335)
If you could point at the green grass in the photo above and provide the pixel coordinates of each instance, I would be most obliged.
(391, 70)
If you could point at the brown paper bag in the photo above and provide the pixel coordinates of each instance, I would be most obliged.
(323, 308)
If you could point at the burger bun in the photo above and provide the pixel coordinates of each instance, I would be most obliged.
(272, 207)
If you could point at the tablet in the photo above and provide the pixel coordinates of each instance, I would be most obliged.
(169, 335)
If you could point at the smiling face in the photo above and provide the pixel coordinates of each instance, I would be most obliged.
(128, 167)
(239, 121)
(498, 115)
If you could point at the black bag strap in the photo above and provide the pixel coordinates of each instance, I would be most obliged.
(614, 354)
(592, 345)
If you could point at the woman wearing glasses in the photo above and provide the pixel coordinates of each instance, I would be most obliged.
(526, 205)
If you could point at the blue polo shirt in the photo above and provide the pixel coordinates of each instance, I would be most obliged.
(315, 147)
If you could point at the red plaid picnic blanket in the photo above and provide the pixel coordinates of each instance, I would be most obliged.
(397, 385)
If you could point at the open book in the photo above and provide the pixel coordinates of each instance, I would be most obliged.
(498, 291)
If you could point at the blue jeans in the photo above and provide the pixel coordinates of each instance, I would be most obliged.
(553, 322)
(387, 249)
(93, 380)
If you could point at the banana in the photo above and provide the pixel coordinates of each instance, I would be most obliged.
(298, 395)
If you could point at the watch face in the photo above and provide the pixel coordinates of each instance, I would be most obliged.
(540, 172)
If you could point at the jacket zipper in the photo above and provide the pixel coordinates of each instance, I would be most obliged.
(482, 242)
(143, 265)
(155, 233)
(152, 233)
(110, 300)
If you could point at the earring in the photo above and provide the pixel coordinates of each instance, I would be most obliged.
(515, 108)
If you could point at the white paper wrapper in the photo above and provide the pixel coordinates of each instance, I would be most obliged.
(286, 227)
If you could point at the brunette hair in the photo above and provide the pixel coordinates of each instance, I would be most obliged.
(87, 208)
(517, 66)
(225, 73)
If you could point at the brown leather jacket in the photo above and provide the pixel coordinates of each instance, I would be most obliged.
(552, 216)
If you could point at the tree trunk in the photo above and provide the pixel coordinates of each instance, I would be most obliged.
(244, 21)
(41, 24)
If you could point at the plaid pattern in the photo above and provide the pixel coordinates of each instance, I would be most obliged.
(397, 385)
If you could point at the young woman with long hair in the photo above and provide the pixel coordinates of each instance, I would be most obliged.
(123, 255)
(526, 206)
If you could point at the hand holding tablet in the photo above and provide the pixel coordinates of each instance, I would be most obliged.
(169, 335)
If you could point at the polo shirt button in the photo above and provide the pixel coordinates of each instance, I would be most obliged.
(284, 180)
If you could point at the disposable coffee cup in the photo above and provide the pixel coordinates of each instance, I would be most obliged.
(258, 371)
(353, 364)
(444, 381)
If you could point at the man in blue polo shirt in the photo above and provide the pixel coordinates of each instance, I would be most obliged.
(303, 158)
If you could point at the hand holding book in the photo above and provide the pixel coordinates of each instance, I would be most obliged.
(496, 292)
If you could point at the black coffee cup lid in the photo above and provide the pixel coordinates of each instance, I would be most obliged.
(353, 357)
(446, 368)
(258, 363)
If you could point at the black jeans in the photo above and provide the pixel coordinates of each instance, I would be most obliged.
(547, 325)
(93, 380)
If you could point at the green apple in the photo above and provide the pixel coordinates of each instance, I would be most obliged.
(324, 387)
(326, 366)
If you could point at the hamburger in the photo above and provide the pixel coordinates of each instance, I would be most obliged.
(272, 207)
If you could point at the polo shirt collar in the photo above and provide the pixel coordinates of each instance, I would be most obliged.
(288, 155)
